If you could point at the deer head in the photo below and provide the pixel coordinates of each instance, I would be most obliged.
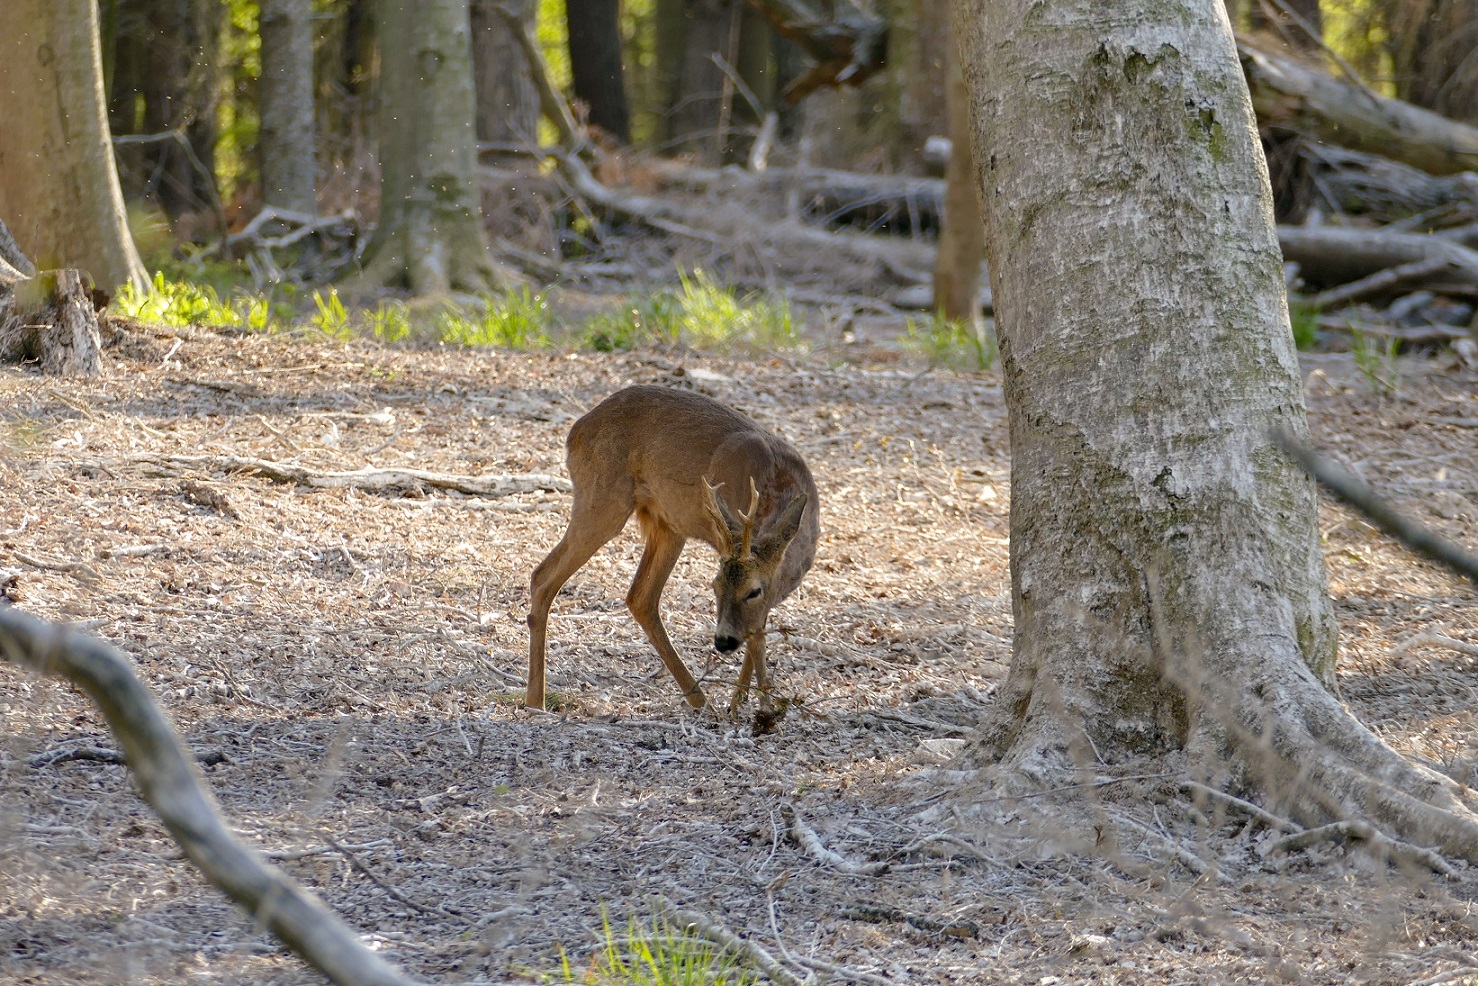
(751, 548)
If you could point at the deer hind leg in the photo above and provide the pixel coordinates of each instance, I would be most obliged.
(663, 547)
(753, 667)
(592, 524)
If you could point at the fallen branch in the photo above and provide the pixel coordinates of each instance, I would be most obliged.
(1382, 282)
(1417, 537)
(171, 784)
(367, 478)
(1288, 94)
(807, 839)
(709, 929)
(1333, 255)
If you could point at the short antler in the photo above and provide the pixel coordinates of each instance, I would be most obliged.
(746, 534)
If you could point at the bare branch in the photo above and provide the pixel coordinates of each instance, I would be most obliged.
(1353, 491)
(171, 784)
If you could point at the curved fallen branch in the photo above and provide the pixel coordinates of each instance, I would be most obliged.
(368, 478)
(169, 782)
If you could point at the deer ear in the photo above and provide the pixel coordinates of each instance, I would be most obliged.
(775, 540)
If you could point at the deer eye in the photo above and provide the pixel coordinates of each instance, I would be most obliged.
(754, 593)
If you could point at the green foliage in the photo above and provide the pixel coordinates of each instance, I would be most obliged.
(1376, 361)
(959, 345)
(701, 314)
(517, 319)
(1305, 322)
(657, 956)
(182, 303)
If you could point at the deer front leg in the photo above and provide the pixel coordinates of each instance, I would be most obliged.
(645, 597)
(752, 668)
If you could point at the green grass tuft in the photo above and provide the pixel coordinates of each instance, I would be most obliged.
(701, 314)
(958, 345)
(659, 955)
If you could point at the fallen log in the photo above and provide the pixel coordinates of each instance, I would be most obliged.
(1387, 191)
(1290, 95)
(1329, 255)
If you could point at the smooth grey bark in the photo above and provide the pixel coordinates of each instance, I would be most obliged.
(58, 185)
(1167, 580)
(429, 236)
(286, 145)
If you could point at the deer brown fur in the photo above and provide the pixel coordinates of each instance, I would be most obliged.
(687, 467)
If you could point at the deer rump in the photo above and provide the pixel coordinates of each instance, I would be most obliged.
(689, 468)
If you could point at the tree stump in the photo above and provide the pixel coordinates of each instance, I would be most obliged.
(48, 317)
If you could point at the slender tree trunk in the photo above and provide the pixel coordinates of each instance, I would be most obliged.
(962, 229)
(286, 146)
(58, 185)
(1167, 581)
(595, 62)
(507, 102)
(430, 236)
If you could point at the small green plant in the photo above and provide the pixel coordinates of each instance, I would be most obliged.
(1376, 361)
(700, 314)
(516, 319)
(659, 955)
(1305, 322)
(332, 318)
(178, 303)
(174, 303)
(646, 320)
(714, 317)
(959, 345)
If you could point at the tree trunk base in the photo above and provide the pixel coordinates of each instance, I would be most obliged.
(50, 320)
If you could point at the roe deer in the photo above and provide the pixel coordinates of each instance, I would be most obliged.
(685, 465)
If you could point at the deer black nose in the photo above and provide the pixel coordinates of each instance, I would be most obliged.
(725, 644)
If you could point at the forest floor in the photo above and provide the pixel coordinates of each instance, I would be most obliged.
(356, 660)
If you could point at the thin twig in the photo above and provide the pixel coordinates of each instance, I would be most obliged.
(807, 839)
(1257, 814)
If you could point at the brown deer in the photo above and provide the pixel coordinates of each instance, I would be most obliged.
(684, 464)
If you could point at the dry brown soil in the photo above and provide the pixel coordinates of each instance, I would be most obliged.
(356, 658)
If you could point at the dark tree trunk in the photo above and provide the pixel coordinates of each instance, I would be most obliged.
(507, 101)
(595, 63)
(1433, 45)
(163, 80)
(1298, 22)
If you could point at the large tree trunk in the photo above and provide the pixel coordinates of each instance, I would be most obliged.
(58, 186)
(430, 236)
(286, 146)
(595, 63)
(1167, 581)
(507, 101)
